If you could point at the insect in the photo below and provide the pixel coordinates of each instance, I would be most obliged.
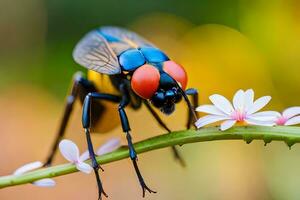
(127, 70)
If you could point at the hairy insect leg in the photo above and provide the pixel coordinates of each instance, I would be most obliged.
(78, 82)
(195, 99)
(175, 151)
(86, 123)
(126, 129)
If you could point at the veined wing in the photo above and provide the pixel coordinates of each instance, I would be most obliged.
(121, 39)
(94, 53)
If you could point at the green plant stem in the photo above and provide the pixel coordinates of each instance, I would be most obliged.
(290, 135)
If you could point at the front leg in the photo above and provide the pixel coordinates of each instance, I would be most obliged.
(195, 99)
(126, 129)
(86, 123)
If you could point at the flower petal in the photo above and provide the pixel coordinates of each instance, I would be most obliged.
(28, 167)
(84, 156)
(293, 121)
(291, 112)
(260, 123)
(46, 182)
(84, 167)
(69, 150)
(239, 100)
(209, 119)
(221, 103)
(109, 146)
(265, 116)
(227, 124)
(249, 99)
(259, 104)
(210, 109)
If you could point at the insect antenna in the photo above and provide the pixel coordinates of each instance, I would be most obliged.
(191, 108)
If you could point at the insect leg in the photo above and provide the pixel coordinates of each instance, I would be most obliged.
(176, 154)
(78, 82)
(126, 129)
(195, 98)
(86, 123)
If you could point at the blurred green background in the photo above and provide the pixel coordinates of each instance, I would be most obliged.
(224, 46)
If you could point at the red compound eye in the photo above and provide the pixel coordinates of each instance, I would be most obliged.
(145, 81)
(177, 72)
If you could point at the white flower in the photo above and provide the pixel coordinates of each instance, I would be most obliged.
(107, 147)
(70, 152)
(46, 182)
(289, 116)
(28, 167)
(243, 110)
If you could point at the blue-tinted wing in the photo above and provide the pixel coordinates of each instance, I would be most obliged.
(121, 39)
(94, 53)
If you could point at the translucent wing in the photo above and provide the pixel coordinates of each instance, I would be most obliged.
(94, 53)
(122, 39)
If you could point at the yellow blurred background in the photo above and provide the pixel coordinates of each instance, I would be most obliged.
(223, 45)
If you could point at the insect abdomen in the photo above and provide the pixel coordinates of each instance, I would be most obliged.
(107, 118)
(102, 82)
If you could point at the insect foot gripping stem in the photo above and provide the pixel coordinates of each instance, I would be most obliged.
(95, 165)
(133, 157)
(100, 187)
(140, 177)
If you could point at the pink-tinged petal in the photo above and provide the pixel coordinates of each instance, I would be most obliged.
(260, 123)
(84, 156)
(47, 182)
(280, 121)
(227, 124)
(209, 119)
(69, 150)
(259, 104)
(109, 146)
(28, 167)
(249, 99)
(265, 116)
(291, 112)
(210, 109)
(221, 103)
(84, 167)
(293, 121)
(239, 100)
